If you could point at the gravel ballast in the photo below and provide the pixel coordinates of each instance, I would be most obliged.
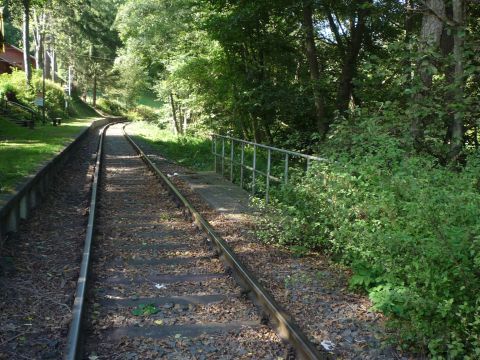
(39, 264)
(312, 289)
(158, 290)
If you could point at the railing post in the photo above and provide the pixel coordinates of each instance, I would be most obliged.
(254, 168)
(231, 160)
(241, 164)
(285, 176)
(308, 164)
(269, 159)
(223, 156)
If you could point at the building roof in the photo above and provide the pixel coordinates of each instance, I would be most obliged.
(14, 57)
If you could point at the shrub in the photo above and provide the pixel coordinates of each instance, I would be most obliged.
(8, 91)
(143, 113)
(54, 96)
(111, 107)
(409, 228)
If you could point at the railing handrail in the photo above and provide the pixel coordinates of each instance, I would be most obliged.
(26, 108)
(293, 153)
(254, 169)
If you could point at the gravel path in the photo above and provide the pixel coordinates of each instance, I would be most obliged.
(158, 290)
(312, 289)
(39, 265)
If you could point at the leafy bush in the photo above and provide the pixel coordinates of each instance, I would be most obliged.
(8, 91)
(54, 96)
(409, 228)
(111, 107)
(143, 113)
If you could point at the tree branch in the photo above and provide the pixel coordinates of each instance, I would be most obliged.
(334, 28)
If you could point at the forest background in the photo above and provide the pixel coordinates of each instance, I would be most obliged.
(387, 90)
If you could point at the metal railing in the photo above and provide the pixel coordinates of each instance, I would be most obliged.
(222, 159)
(22, 107)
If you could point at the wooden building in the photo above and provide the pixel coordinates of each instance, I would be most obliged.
(11, 57)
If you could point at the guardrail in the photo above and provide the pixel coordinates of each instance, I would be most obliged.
(286, 156)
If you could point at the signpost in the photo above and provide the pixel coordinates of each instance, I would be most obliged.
(39, 99)
(40, 102)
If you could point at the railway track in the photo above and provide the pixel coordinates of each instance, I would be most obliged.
(160, 286)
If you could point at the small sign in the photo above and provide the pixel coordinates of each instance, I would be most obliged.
(39, 99)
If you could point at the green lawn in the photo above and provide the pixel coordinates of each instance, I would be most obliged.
(190, 151)
(23, 150)
(149, 99)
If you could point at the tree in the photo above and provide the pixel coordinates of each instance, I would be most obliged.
(311, 52)
(26, 41)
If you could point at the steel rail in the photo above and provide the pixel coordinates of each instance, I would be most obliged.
(285, 326)
(72, 351)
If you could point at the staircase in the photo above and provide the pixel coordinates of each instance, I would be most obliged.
(18, 114)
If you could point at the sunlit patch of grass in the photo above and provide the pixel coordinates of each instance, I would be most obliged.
(23, 150)
(191, 151)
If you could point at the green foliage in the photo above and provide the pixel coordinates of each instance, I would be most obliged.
(54, 96)
(193, 151)
(143, 113)
(145, 310)
(7, 89)
(111, 107)
(408, 227)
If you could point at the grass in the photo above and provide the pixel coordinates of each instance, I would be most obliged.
(195, 152)
(23, 150)
(149, 99)
(191, 151)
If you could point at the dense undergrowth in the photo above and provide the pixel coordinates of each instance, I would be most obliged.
(133, 113)
(408, 227)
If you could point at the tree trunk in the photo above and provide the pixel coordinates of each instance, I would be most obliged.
(175, 126)
(349, 66)
(54, 65)
(446, 46)
(26, 41)
(94, 92)
(47, 63)
(409, 27)
(457, 142)
(257, 136)
(185, 123)
(181, 120)
(38, 39)
(311, 54)
(430, 35)
(475, 136)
